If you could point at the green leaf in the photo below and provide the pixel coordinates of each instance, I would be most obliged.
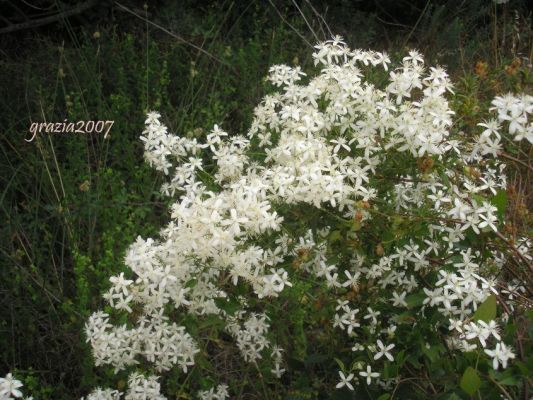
(509, 381)
(432, 353)
(385, 374)
(500, 202)
(335, 236)
(444, 178)
(487, 310)
(341, 364)
(384, 396)
(524, 370)
(479, 199)
(299, 335)
(505, 378)
(470, 381)
(415, 299)
(400, 358)
(413, 360)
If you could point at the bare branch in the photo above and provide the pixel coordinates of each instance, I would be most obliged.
(80, 8)
(174, 35)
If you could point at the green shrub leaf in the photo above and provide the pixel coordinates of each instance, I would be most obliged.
(470, 381)
(487, 310)
(500, 202)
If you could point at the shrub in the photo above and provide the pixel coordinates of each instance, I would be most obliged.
(353, 225)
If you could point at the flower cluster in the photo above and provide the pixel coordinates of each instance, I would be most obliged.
(515, 111)
(139, 388)
(251, 339)
(160, 342)
(221, 393)
(103, 394)
(356, 155)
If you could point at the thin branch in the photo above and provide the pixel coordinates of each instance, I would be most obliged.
(80, 8)
(305, 19)
(22, 13)
(510, 157)
(391, 23)
(37, 8)
(515, 250)
(321, 17)
(502, 389)
(7, 22)
(174, 35)
(290, 26)
(416, 24)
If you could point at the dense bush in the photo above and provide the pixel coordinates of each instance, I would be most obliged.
(352, 223)
(73, 204)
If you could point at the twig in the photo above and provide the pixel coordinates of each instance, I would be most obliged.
(287, 22)
(416, 24)
(321, 17)
(505, 392)
(515, 250)
(262, 380)
(174, 35)
(80, 8)
(305, 19)
(407, 380)
(391, 23)
(510, 157)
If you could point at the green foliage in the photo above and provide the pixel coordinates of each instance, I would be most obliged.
(487, 310)
(470, 381)
(71, 204)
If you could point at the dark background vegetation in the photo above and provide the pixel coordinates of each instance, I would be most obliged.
(71, 204)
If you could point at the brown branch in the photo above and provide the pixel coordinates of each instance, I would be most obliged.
(515, 250)
(80, 8)
(510, 157)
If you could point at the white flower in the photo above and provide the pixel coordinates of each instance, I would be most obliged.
(461, 210)
(9, 387)
(277, 371)
(398, 300)
(142, 388)
(358, 347)
(384, 351)
(500, 355)
(368, 374)
(352, 279)
(373, 315)
(345, 381)
(104, 394)
(490, 328)
(221, 393)
(456, 324)
(488, 217)
(340, 142)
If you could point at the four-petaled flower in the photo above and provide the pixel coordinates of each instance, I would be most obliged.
(384, 351)
(500, 355)
(368, 374)
(345, 381)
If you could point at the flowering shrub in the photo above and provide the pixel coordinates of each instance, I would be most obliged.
(353, 224)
